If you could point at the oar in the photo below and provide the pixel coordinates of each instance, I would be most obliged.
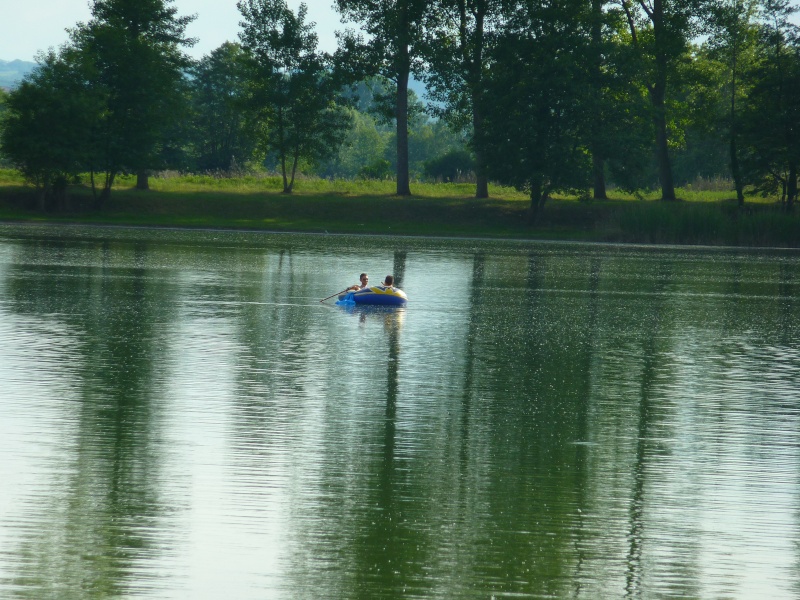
(336, 294)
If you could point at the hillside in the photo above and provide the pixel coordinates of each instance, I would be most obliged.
(11, 72)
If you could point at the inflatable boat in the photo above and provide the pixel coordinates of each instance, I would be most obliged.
(377, 295)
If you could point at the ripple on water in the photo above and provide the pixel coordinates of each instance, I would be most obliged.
(181, 417)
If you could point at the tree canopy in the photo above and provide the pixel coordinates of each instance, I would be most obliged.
(292, 88)
(563, 95)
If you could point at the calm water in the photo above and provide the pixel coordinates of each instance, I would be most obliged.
(180, 417)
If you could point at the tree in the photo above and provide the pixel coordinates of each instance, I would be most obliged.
(457, 53)
(135, 47)
(771, 116)
(732, 44)
(293, 89)
(660, 30)
(223, 132)
(619, 130)
(363, 143)
(393, 50)
(51, 123)
(535, 102)
(3, 109)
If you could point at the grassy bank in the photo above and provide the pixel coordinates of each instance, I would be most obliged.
(435, 209)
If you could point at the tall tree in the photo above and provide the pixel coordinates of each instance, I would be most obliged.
(51, 123)
(536, 100)
(732, 43)
(223, 132)
(394, 50)
(292, 86)
(456, 51)
(596, 18)
(771, 117)
(661, 31)
(3, 110)
(136, 48)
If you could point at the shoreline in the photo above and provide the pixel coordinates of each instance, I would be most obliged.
(712, 222)
(463, 238)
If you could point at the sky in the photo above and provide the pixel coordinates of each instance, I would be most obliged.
(28, 26)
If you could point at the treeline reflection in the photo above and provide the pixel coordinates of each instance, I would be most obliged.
(566, 420)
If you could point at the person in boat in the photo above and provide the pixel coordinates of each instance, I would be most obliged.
(364, 282)
(388, 282)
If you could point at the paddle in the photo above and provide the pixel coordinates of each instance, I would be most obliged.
(336, 294)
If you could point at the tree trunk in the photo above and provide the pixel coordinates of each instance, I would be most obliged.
(105, 194)
(475, 69)
(658, 94)
(403, 72)
(598, 164)
(295, 159)
(286, 188)
(736, 172)
(142, 180)
(538, 198)
(599, 174)
(791, 186)
(481, 178)
(403, 186)
(94, 187)
(41, 197)
(662, 147)
(59, 192)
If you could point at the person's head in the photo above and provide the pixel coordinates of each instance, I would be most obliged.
(363, 278)
(389, 281)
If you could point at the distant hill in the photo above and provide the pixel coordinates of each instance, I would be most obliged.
(11, 73)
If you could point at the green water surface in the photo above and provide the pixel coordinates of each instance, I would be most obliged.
(181, 417)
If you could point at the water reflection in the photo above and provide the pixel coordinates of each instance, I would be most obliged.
(104, 514)
(567, 421)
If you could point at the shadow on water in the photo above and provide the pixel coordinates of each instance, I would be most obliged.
(100, 519)
(476, 286)
(582, 459)
(399, 267)
(524, 439)
(653, 323)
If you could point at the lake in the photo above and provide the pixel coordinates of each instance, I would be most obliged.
(181, 417)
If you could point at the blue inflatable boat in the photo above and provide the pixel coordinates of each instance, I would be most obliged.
(377, 295)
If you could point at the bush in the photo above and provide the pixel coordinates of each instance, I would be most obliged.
(451, 166)
(378, 169)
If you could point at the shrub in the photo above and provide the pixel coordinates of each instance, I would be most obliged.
(451, 166)
(378, 169)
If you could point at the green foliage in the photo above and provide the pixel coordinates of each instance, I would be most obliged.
(135, 49)
(542, 96)
(4, 162)
(369, 142)
(362, 142)
(380, 169)
(771, 112)
(224, 135)
(393, 50)
(452, 166)
(661, 33)
(535, 106)
(51, 123)
(293, 92)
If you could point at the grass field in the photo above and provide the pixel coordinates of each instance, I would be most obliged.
(355, 206)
